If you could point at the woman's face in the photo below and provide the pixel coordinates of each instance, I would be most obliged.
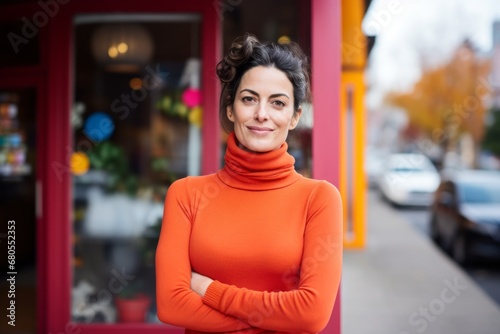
(262, 111)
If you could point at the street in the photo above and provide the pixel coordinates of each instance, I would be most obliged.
(485, 273)
(402, 283)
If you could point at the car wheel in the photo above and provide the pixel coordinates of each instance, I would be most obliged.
(460, 249)
(434, 230)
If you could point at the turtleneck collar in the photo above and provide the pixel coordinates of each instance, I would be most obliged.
(257, 171)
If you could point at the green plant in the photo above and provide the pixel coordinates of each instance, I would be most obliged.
(111, 158)
(133, 289)
(171, 104)
(491, 141)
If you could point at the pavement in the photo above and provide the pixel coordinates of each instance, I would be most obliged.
(401, 283)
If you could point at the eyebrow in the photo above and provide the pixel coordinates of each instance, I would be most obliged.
(257, 94)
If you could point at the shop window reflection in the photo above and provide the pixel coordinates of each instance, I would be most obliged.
(137, 128)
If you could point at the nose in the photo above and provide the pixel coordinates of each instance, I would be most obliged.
(261, 113)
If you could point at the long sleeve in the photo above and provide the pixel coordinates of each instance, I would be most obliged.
(177, 304)
(307, 308)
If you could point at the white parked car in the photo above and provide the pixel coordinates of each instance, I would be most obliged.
(409, 179)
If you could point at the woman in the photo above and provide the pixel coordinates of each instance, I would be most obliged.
(255, 247)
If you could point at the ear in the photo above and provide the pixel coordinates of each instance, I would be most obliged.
(295, 119)
(229, 113)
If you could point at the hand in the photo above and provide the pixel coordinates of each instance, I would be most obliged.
(200, 283)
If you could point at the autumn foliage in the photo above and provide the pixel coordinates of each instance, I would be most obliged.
(448, 100)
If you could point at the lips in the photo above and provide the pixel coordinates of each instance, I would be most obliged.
(259, 129)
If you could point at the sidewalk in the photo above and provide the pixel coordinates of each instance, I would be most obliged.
(402, 284)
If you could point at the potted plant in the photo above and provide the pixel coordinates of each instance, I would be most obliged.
(132, 304)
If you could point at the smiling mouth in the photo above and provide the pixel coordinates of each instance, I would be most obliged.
(259, 130)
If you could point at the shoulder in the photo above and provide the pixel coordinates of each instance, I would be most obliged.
(321, 196)
(191, 184)
(320, 189)
(324, 203)
(187, 192)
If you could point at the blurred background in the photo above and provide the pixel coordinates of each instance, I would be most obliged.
(433, 81)
(432, 154)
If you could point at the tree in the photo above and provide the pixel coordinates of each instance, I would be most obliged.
(492, 137)
(447, 101)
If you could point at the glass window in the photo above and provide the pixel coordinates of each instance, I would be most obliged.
(480, 193)
(136, 124)
(18, 208)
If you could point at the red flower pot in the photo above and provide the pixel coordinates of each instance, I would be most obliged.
(134, 309)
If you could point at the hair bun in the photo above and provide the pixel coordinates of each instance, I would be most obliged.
(241, 50)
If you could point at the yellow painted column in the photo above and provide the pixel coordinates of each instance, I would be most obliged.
(352, 129)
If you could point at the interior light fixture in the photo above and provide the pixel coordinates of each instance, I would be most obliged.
(122, 47)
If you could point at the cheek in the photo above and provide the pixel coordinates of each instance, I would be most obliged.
(284, 120)
(241, 117)
(241, 113)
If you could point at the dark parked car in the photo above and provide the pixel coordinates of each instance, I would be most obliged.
(465, 215)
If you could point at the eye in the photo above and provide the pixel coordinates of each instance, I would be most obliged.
(247, 99)
(279, 103)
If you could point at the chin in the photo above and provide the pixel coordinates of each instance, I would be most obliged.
(260, 145)
(261, 148)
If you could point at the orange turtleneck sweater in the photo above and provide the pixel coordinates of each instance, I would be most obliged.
(270, 238)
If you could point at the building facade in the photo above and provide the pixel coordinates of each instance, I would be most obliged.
(102, 105)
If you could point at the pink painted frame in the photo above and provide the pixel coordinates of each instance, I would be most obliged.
(326, 77)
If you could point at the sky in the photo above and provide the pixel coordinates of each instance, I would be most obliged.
(408, 31)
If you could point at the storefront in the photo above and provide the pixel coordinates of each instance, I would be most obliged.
(102, 105)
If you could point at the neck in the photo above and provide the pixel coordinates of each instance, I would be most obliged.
(249, 170)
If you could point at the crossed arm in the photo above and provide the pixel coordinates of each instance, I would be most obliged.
(200, 283)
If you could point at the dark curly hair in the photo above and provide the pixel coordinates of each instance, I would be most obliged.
(247, 52)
